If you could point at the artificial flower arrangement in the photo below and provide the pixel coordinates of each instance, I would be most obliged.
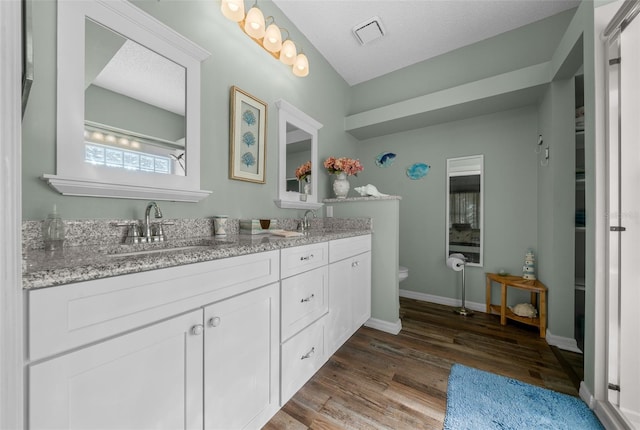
(345, 165)
(303, 171)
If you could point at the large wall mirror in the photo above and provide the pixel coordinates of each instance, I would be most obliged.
(298, 145)
(465, 216)
(128, 105)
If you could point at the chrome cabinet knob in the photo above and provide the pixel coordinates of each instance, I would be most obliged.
(214, 322)
(197, 329)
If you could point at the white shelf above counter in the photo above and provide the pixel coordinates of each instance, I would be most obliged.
(361, 199)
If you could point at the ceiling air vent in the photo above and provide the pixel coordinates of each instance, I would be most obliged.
(369, 30)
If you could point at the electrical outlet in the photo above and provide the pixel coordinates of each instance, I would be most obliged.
(329, 211)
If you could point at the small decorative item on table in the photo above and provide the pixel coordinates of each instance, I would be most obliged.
(529, 268)
(342, 167)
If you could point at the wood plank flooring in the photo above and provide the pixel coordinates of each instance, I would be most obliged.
(380, 381)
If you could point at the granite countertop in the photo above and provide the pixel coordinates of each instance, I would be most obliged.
(83, 263)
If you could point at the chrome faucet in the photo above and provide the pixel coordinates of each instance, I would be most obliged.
(147, 221)
(305, 224)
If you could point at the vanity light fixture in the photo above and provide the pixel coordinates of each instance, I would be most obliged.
(268, 37)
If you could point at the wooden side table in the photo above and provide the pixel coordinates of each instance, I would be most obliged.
(536, 288)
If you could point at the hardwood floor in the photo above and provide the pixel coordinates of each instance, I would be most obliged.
(380, 381)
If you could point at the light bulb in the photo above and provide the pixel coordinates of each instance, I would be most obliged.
(301, 66)
(254, 23)
(288, 52)
(272, 39)
(233, 9)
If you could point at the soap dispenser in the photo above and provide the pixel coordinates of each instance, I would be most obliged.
(53, 231)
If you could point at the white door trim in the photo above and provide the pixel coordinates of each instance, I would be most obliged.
(11, 311)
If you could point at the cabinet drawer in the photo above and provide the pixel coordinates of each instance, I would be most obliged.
(302, 258)
(348, 247)
(72, 315)
(304, 299)
(301, 357)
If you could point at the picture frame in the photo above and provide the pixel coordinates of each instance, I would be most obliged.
(247, 135)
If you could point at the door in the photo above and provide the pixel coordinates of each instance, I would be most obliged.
(149, 378)
(241, 360)
(629, 276)
(361, 291)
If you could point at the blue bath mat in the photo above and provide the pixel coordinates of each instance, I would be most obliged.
(478, 400)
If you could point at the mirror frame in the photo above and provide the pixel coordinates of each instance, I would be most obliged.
(287, 113)
(464, 166)
(73, 175)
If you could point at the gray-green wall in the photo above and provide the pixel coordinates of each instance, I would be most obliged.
(235, 60)
(556, 205)
(108, 107)
(507, 141)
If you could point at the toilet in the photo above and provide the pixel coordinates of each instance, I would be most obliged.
(403, 273)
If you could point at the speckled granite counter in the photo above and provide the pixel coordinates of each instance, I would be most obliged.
(83, 263)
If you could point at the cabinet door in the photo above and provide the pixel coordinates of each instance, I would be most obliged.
(361, 289)
(349, 298)
(149, 378)
(340, 317)
(241, 360)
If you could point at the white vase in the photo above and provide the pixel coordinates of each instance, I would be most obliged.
(307, 185)
(341, 185)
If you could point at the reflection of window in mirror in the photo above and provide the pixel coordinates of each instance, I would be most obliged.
(464, 208)
(134, 119)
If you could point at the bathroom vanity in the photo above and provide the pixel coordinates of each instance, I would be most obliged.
(219, 340)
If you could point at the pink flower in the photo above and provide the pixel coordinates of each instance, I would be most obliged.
(303, 171)
(345, 165)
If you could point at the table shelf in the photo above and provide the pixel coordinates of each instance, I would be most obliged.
(538, 294)
(510, 315)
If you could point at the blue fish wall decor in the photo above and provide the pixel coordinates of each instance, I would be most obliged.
(418, 170)
(385, 159)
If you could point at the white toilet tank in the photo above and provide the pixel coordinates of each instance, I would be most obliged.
(403, 273)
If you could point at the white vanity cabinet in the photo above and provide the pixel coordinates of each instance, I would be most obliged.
(349, 288)
(213, 345)
(138, 351)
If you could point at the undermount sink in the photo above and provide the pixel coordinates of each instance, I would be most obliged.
(157, 250)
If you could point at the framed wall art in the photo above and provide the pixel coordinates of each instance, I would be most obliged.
(247, 147)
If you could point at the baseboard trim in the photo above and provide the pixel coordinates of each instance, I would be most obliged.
(586, 395)
(566, 343)
(386, 326)
(610, 417)
(474, 306)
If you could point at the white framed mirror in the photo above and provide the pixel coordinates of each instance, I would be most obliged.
(297, 145)
(128, 105)
(465, 208)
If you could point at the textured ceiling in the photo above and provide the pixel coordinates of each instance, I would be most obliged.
(140, 73)
(416, 30)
